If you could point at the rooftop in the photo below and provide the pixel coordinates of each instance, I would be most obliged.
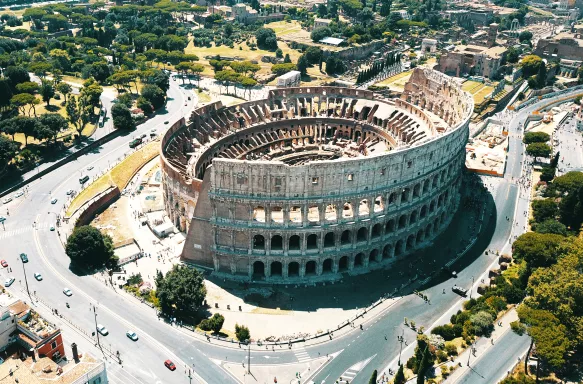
(476, 49)
(331, 40)
(45, 371)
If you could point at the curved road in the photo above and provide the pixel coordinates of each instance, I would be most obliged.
(142, 360)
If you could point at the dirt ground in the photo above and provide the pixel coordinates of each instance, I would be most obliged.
(114, 222)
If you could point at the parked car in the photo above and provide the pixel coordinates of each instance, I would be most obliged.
(54, 201)
(68, 292)
(7, 200)
(4, 263)
(70, 192)
(101, 329)
(170, 365)
(18, 194)
(38, 276)
(2, 219)
(9, 281)
(132, 335)
(134, 143)
(24, 257)
(89, 168)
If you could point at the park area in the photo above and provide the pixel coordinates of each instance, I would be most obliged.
(478, 90)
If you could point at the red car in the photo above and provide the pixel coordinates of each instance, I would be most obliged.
(4, 263)
(170, 365)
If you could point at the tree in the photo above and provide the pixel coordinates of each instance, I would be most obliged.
(266, 39)
(91, 92)
(279, 53)
(544, 209)
(181, 292)
(155, 95)
(287, 59)
(539, 249)
(22, 100)
(197, 69)
(122, 117)
(335, 64)
(88, 247)
(126, 99)
(512, 55)
(16, 75)
(27, 87)
(569, 182)
(483, 323)
(541, 76)
(216, 322)
(320, 33)
(530, 65)
(8, 149)
(551, 226)
(525, 36)
(242, 332)
(65, 89)
(538, 150)
(373, 378)
(400, 376)
(385, 7)
(302, 65)
(536, 137)
(79, 112)
(5, 93)
(313, 55)
(280, 69)
(55, 124)
(144, 105)
(47, 91)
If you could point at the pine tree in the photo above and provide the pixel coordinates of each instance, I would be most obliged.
(373, 378)
(400, 376)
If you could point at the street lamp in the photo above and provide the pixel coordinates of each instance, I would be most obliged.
(401, 340)
(96, 330)
(471, 287)
(25, 279)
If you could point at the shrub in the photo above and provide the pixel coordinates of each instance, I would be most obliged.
(482, 322)
(205, 325)
(451, 349)
(242, 332)
(518, 327)
(446, 331)
(441, 356)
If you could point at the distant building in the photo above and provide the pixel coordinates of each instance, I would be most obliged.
(428, 46)
(321, 23)
(403, 13)
(565, 45)
(290, 79)
(472, 60)
(246, 15)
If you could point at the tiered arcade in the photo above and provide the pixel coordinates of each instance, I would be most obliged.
(317, 180)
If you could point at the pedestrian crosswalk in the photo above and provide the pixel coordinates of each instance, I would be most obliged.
(351, 372)
(14, 232)
(301, 354)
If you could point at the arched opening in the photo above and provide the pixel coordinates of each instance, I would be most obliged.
(410, 242)
(311, 267)
(399, 248)
(390, 226)
(417, 190)
(276, 269)
(405, 195)
(372, 257)
(423, 211)
(258, 269)
(347, 210)
(327, 266)
(387, 251)
(313, 214)
(363, 208)
(358, 260)
(345, 238)
(330, 212)
(379, 206)
(420, 236)
(294, 243)
(259, 214)
(329, 240)
(295, 214)
(362, 234)
(293, 269)
(434, 182)
(413, 217)
(258, 242)
(425, 187)
(277, 214)
(276, 243)
(343, 264)
(376, 231)
(402, 221)
(312, 242)
(432, 206)
(392, 198)
(428, 230)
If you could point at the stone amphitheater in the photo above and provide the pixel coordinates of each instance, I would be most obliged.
(315, 181)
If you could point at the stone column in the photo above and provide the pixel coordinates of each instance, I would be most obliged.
(302, 269)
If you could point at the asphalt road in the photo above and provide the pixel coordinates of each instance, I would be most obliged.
(570, 146)
(143, 360)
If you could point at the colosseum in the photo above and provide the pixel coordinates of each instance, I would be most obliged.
(314, 181)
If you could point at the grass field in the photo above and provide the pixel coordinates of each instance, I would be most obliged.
(397, 82)
(283, 28)
(119, 176)
(478, 90)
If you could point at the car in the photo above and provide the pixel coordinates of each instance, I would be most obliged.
(7, 200)
(9, 281)
(459, 290)
(134, 143)
(132, 335)
(166, 122)
(101, 329)
(170, 365)
(83, 179)
(89, 168)
(4, 263)
(68, 292)
(52, 228)
(24, 257)
(38, 276)
(54, 201)
(70, 192)
(18, 194)
(2, 219)
(143, 136)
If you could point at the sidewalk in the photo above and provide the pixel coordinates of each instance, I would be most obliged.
(481, 347)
